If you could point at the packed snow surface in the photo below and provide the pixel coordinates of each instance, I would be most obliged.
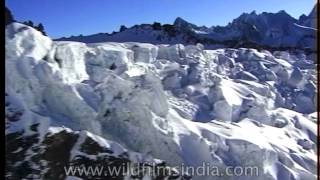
(181, 104)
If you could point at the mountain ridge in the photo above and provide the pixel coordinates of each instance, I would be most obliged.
(272, 31)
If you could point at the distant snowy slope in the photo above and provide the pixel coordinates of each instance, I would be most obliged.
(139, 102)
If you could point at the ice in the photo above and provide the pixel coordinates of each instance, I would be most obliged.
(35, 46)
(180, 104)
(173, 52)
(144, 52)
(71, 59)
(296, 77)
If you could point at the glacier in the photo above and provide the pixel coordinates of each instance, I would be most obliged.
(178, 103)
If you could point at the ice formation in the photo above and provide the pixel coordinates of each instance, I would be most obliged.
(180, 104)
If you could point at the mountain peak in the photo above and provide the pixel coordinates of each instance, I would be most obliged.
(313, 12)
(253, 12)
(283, 12)
(182, 24)
(180, 20)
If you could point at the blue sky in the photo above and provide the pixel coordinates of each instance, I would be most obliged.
(74, 17)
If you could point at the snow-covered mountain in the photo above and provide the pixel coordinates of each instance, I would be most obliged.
(273, 31)
(71, 103)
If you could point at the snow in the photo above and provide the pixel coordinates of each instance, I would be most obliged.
(305, 27)
(71, 59)
(35, 46)
(177, 103)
